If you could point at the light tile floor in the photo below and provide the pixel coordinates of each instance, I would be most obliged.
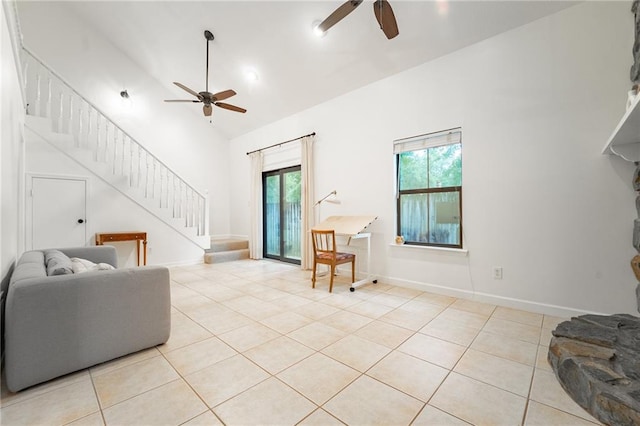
(253, 343)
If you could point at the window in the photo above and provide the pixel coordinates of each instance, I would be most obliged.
(429, 183)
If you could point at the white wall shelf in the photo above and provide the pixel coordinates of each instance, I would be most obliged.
(625, 139)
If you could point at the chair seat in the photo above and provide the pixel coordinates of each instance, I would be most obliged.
(339, 256)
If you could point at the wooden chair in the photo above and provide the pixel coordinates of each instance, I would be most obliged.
(324, 252)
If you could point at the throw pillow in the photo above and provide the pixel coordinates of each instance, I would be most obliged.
(57, 263)
(83, 265)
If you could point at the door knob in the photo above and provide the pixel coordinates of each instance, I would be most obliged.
(80, 221)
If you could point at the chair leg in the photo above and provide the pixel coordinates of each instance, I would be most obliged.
(353, 271)
(333, 272)
(313, 277)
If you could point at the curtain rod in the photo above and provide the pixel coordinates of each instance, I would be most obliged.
(281, 143)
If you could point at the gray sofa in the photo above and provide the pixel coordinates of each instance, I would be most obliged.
(58, 324)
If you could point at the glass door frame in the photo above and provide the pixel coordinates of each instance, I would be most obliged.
(265, 175)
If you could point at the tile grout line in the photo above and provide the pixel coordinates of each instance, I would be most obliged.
(316, 351)
(181, 377)
(255, 279)
(447, 376)
(414, 333)
(95, 392)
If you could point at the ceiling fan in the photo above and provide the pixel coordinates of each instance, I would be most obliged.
(206, 97)
(381, 8)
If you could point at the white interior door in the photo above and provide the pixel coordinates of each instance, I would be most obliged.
(58, 212)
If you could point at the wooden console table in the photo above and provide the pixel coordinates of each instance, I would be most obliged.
(138, 237)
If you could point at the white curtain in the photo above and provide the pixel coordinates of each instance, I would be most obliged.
(255, 207)
(307, 207)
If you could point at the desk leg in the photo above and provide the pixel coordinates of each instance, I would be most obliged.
(368, 279)
(138, 252)
(144, 243)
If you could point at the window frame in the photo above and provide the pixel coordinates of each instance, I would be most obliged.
(428, 191)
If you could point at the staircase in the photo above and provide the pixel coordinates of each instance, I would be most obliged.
(61, 117)
(226, 250)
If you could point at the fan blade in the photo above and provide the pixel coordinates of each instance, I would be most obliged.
(230, 107)
(207, 110)
(186, 89)
(180, 100)
(339, 14)
(221, 96)
(387, 20)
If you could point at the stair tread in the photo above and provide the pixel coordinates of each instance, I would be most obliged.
(227, 251)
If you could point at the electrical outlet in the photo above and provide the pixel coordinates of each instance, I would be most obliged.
(497, 272)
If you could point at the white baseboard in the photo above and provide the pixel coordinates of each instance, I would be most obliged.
(508, 302)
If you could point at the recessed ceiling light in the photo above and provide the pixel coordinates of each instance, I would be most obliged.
(251, 75)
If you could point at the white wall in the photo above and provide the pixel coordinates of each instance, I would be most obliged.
(109, 210)
(11, 121)
(536, 105)
(184, 141)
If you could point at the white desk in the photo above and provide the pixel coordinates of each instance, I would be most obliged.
(353, 228)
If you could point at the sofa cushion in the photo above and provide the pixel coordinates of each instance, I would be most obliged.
(57, 263)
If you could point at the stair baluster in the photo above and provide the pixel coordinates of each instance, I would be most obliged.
(70, 121)
(36, 109)
(116, 133)
(175, 198)
(162, 174)
(130, 163)
(79, 134)
(97, 148)
(122, 172)
(187, 215)
(60, 110)
(89, 133)
(25, 79)
(139, 162)
(48, 95)
(153, 178)
(48, 103)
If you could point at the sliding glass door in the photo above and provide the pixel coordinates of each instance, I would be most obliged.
(281, 198)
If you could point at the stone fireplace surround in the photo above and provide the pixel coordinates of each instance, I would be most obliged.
(596, 359)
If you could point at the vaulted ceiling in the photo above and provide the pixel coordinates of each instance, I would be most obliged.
(296, 69)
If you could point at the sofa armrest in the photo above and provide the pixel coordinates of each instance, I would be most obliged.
(96, 254)
(59, 324)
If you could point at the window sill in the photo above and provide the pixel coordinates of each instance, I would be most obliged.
(462, 252)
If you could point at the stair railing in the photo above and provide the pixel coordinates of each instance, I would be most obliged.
(49, 95)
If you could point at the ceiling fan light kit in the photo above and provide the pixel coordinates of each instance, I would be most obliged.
(205, 97)
(317, 31)
(381, 9)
